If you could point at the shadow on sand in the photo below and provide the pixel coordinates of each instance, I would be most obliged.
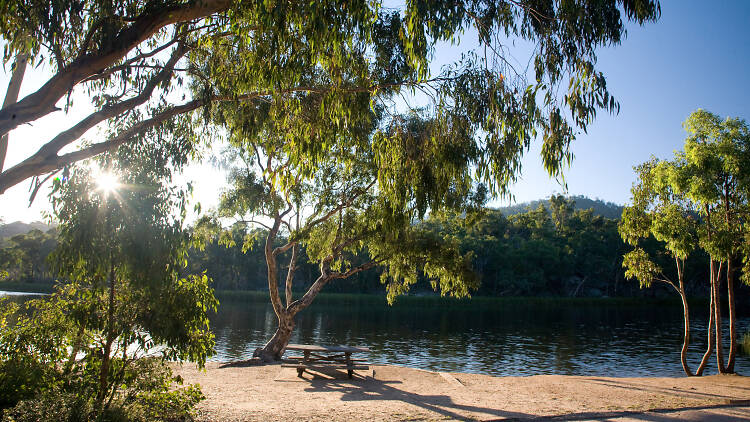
(367, 388)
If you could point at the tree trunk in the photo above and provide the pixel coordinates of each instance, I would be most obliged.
(710, 348)
(107, 352)
(732, 318)
(11, 97)
(717, 321)
(274, 349)
(686, 336)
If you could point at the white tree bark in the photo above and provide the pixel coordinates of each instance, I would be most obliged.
(11, 97)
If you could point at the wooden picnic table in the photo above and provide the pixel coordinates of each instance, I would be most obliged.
(318, 357)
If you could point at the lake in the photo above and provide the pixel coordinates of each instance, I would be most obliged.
(497, 337)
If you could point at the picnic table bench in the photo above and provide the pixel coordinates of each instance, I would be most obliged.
(320, 357)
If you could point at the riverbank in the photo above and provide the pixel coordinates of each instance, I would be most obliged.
(261, 393)
(428, 300)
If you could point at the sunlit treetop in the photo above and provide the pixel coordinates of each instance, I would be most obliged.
(699, 199)
(135, 59)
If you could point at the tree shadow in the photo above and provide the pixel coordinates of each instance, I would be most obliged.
(679, 392)
(366, 388)
(242, 363)
(655, 415)
(362, 389)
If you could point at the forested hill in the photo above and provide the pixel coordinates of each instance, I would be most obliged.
(602, 208)
(18, 227)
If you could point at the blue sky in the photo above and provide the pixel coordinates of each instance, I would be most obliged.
(696, 56)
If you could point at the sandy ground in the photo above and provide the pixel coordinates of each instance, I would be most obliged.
(272, 393)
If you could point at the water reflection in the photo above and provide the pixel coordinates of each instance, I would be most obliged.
(513, 339)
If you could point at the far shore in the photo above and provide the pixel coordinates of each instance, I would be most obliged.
(410, 300)
(244, 392)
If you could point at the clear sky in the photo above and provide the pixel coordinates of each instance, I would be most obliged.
(696, 56)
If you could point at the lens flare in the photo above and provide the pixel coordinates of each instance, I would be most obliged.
(107, 182)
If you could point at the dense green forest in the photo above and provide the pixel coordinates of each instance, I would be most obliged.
(553, 247)
(566, 247)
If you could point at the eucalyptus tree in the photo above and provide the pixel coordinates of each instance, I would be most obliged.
(134, 59)
(658, 210)
(354, 207)
(716, 176)
(710, 179)
(121, 249)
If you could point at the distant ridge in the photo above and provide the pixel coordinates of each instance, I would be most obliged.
(600, 207)
(19, 227)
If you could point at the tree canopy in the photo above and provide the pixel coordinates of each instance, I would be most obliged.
(123, 298)
(698, 200)
(136, 59)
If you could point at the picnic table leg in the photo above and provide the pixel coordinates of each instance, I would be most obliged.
(349, 372)
(305, 360)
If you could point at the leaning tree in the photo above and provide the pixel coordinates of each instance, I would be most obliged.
(135, 58)
(316, 99)
(355, 206)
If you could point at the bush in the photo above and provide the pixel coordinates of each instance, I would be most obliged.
(149, 395)
(53, 406)
(40, 379)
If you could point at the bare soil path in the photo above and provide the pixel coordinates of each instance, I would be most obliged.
(270, 393)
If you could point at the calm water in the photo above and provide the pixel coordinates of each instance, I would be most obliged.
(502, 338)
(513, 338)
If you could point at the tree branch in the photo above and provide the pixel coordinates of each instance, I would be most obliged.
(272, 267)
(329, 214)
(68, 136)
(45, 160)
(310, 294)
(290, 275)
(42, 102)
(355, 270)
(11, 96)
(39, 164)
(281, 249)
(106, 72)
(255, 222)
